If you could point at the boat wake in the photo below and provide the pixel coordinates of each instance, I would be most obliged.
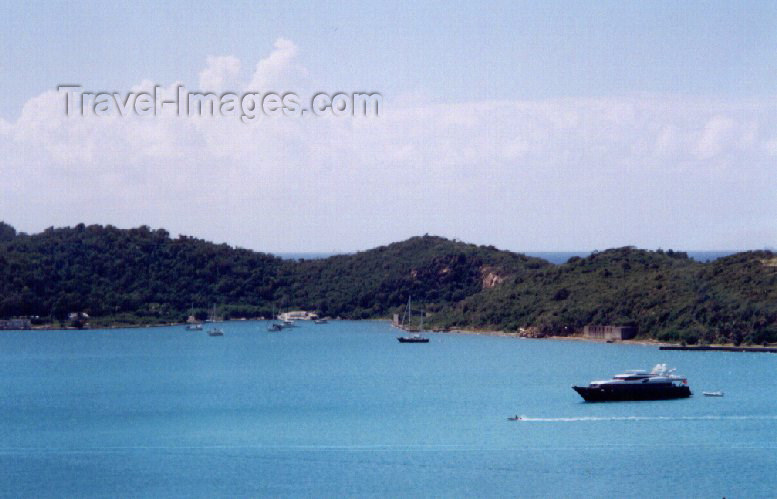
(583, 419)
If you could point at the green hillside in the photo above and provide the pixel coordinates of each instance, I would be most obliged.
(135, 275)
(434, 270)
(140, 275)
(666, 294)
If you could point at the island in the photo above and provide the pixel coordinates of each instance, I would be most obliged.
(140, 276)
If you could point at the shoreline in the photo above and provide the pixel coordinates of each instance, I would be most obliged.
(502, 334)
(663, 345)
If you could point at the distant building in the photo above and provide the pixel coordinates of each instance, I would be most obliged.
(15, 324)
(298, 315)
(610, 332)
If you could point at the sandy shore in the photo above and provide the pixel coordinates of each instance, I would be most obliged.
(644, 342)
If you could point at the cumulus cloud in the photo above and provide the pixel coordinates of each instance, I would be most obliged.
(220, 74)
(548, 174)
(278, 69)
(5, 127)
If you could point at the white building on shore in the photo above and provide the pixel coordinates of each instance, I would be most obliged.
(15, 324)
(298, 315)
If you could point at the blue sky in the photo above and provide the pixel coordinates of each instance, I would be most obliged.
(694, 81)
(451, 51)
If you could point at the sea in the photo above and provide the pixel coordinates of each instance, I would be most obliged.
(556, 257)
(344, 410)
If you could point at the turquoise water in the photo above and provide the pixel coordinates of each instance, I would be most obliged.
(343, 409)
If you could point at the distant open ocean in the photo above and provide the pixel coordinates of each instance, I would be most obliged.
(557, 257)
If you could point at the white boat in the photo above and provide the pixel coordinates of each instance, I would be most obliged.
(273, 326)
(712, 394)
(415, 333)
(214, 331)
(193, 325)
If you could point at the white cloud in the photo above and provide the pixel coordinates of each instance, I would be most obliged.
(220, 74)
(5, 127)
(549, 174)
(717, 134)
(279, 71)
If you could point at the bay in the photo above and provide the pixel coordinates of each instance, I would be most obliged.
(343, 409)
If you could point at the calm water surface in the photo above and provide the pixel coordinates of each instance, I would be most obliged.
(344, 409)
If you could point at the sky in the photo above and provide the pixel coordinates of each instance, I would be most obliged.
(553, 126)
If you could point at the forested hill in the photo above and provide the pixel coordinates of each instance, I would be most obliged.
(144, 276)
(133, 275)
(434, 270)
(666, 294)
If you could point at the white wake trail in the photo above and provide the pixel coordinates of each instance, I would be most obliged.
(644, 418)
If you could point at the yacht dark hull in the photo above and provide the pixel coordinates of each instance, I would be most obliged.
(628, 392)
(403, 339)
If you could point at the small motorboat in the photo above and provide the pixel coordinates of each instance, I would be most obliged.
(413, 338)
(274, 327)
(514, 418)
(712, 394)
(215, 332)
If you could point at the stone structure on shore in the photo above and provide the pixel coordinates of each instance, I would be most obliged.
(609, 332)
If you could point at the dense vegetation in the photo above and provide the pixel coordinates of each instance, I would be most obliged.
(435, 271)
(667, 295)
(143, 275)
(136, 275)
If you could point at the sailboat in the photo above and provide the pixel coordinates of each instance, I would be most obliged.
(415, 334)
(214, 331)
(274, 326)
(193, 326)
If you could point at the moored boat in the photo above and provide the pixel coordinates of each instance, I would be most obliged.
(659, 384)
(215, 332)
(413, 338)
(191, 323)
(406, 325)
